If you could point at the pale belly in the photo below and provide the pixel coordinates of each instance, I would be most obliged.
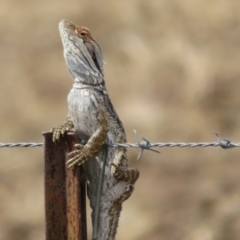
(83, 108)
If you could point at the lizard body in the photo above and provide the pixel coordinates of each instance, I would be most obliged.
(94, 119)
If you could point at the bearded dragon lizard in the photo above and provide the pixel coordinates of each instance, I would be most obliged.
(95, 121)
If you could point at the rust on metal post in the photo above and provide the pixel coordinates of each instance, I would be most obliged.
(76, 202)
(65, 202)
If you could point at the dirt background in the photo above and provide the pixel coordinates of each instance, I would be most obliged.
(173, 74)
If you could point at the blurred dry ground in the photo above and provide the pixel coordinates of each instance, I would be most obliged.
(172, 71)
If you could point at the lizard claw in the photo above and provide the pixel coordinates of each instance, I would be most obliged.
(78, 156)
(58, 131)
(62, 129)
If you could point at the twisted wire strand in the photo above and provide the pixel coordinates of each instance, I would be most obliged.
(145, 144)
(173, 144)
(20, 144)
(137, 145)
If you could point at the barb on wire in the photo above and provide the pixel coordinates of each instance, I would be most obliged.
(224, 143)
(144, 145)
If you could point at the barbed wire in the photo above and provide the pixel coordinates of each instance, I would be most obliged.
(145, 144)
(20, 144)
(142, 144)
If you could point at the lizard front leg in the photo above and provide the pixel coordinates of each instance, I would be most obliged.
(60, 130)
(83, 152)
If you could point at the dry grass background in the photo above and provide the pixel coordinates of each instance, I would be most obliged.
(172, 71)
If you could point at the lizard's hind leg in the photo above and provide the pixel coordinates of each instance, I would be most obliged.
(125, 174)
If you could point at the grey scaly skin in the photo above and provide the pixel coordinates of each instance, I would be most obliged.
(94, 119)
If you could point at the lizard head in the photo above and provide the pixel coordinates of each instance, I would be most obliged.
(82, 53)
(90, 44)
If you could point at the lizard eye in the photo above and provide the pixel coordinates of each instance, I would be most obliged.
(83, 34)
